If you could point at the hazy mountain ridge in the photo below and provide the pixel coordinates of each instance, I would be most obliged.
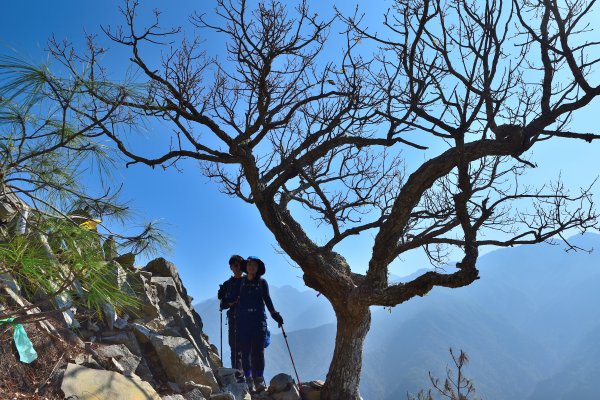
(528, 326)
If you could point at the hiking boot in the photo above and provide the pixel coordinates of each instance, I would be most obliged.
(259, 383)
(250, 384)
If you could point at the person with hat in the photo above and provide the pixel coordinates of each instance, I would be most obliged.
(252, 321)
(228, 294)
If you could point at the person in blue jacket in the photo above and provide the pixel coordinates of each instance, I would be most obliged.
(251, 321)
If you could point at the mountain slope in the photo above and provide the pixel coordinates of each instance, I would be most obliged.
(528, 325)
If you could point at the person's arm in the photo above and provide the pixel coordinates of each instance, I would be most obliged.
(269, 303)
(227, 300)
(221, 295)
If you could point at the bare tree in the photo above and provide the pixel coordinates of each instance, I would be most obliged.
(456, 387)
(282, 126)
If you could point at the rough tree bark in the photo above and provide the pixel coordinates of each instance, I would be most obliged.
(343, 378)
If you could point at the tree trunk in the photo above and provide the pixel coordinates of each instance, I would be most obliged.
(343, 377)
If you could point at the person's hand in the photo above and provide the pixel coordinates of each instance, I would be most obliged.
(278, 318)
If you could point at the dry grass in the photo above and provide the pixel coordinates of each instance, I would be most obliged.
(41, 379)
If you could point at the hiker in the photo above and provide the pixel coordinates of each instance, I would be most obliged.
(228, 294)
(252, 322)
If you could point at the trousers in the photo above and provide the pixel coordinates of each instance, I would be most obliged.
(253, 353)
(234, 344)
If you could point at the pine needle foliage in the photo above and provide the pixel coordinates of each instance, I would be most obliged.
(48, 157)
(78, 272)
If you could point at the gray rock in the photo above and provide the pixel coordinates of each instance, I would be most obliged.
(81, 359)
(173, 397)
(89, 384)
(213, 354)
(195, 394)
(165, 288)
(138, 282)
(126, 338)
(261, 396)
(181, 319)
(92, 326)
(238, 390)
(312, 390)
(281, 383)
(116, 366)
(87, 360)
(226, 376)
(174, 387)
(179, 358)
(126, 260)
(191, 386)
(291, 394)
(143, 370)
(118, 274)
(7, 211)
(122, 322)
(110, 248)
(316, 384)
(7, 280)
(164, 268)
(222, 396)
(121, 354)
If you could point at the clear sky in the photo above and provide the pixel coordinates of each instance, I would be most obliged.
(207, 226)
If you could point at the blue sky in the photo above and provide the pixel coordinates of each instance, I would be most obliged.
(207, 226)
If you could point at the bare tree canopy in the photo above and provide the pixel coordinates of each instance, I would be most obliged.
(293, 128)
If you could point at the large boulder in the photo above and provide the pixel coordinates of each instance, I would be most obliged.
(164, 268)
(283, 387)
(281, 383)
(180, 360)
(84, 383)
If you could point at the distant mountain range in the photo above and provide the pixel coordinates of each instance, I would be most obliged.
(530, 325)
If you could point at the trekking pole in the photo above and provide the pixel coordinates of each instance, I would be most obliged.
(293, 364)
(221, 353)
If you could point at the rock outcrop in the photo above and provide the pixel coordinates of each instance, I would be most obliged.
(156, 351)
(152, 350)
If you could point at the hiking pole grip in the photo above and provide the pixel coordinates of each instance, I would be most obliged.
(293, 364)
